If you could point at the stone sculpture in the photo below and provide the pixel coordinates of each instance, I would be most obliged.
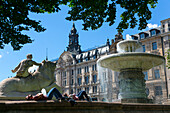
(24, 65)
(43, 77)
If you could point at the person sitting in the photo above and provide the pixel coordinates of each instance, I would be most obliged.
(23, 66)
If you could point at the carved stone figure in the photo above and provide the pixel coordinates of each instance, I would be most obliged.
(43, 77)
(24, 65)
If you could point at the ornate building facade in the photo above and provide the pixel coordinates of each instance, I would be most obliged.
(77, 70)
(156, 41)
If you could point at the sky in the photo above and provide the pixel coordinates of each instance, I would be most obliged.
(55, 39)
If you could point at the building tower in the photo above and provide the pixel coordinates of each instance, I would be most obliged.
(74, 46)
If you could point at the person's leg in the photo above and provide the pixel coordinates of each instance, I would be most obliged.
(79, 93)
(54, 91)
(82, 94)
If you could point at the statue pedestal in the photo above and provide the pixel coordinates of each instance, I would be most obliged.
(132, 85)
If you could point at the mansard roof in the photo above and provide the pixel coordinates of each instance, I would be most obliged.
(94, 51)
(158, 29)
(99, 50)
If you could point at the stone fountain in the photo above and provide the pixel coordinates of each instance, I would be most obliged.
(130, 61)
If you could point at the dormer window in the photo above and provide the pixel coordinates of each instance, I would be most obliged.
(142, 36)
(79, 61)
(134, 37)
(94, 57)
(153, 32)
(87, 58)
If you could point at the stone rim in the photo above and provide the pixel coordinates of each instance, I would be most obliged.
(145, 61)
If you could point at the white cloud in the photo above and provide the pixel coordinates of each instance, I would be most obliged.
(7, 52)
(0, 56)
(152, 25)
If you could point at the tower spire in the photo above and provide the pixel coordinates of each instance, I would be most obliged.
(73, 30)
(73, 46)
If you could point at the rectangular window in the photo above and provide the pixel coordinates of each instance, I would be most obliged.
(157, 74)
(72, 81)
(158, 90)
(72, 72)
(143, 48)
(64, 83)
(87, 89)
(94, 78)
(153, 33)
(163, 26)
(94, 89)
(79, 71)
(71, 91)
(79, 81)
(86, 69)
(146, 75)
(142, 36)
(64, 74)
(78, 90)
(154, 46)
(94, 67)
(87, 79)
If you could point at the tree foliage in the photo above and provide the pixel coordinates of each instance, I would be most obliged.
(14, 16)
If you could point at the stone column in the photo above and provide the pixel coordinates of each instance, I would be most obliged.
(132, 84)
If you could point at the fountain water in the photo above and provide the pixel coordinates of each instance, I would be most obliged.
(130, 61)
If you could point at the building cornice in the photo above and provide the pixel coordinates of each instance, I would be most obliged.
(165, 20)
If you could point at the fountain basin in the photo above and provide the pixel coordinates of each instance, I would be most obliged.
(129, 46)
(119, 61)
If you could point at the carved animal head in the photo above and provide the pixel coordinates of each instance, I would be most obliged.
(47, 67)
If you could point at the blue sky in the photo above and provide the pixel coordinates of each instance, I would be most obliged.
(55, 38)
